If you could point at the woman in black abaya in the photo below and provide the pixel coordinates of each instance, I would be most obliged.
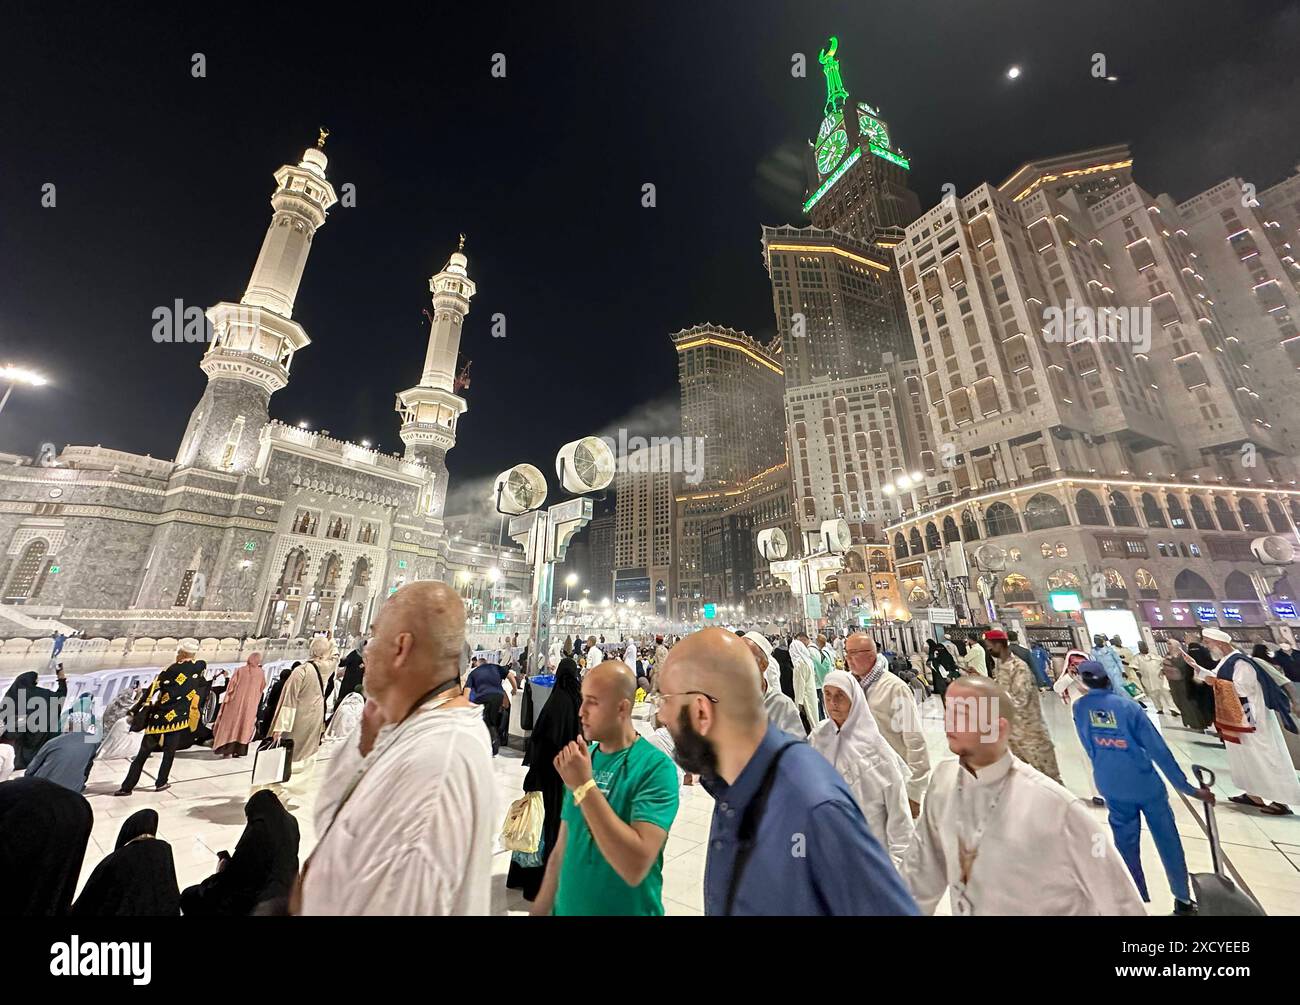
(137, 880)
(557, 725)
(263, 867)
(31, 715)
(44, 830)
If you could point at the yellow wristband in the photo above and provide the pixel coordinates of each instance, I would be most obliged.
(580, 793)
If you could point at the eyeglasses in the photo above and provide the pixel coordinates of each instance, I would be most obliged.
(656, 700)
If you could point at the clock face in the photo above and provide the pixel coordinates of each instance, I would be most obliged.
(831, 151)
(874, 131)
(828, 123)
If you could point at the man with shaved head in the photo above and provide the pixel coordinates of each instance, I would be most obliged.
(407, 816)
(787, 837)
(1000, 837)
(621, 802)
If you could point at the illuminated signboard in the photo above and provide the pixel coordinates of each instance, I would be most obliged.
(1065, 600)
(1206, 612)
(1232, 613)
(710, 610)
(1285, 611)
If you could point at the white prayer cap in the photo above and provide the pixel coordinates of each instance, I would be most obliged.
(190, 646)
(1217, 634)
(761, 642)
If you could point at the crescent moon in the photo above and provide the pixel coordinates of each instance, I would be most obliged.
(830, 54)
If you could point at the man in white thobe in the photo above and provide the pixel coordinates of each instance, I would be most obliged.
(1002, 838)
(1151, 675)
(408, 813)
(1245, 699)
(805, 678)
(781, 711)
(894, 706)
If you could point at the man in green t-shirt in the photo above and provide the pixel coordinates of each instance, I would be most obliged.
(621, 801)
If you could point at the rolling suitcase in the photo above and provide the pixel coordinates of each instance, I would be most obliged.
(1216, 894)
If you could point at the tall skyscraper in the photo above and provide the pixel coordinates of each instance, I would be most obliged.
(643, 529)
(731, 390)
(857, 174)
(1090, 174)
(835, 302)
(1248, 259)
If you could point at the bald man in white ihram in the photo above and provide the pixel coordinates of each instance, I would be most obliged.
(408, 813)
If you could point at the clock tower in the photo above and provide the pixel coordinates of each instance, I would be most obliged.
(858, 178)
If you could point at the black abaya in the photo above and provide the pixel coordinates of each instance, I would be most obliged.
(263, 867)
(44, 830)
(137, 880)
(25, 700)
(557, 726)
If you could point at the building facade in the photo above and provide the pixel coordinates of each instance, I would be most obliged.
(256, 528)
(644, 564)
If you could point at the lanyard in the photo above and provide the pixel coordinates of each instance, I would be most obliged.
(966, 853)
(369, 762)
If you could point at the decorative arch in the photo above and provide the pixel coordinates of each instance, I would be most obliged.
(1017, 589)
(295, 568)
(950, 531)
(1147, 586)
(1043, 512)
(29, 571)
(914, 540)
(1151, 511)
(900, 545)
(970, 530)
(1222, 510)
(1116, 588)
(1239, 587)
(1121, 510)
(1063, 579)
(1088, 506)
(1177, 515)
(1000, 520)
(1251, 518)
(932, 541)
(1190, 586)
(1201, 514)
(1277, 518)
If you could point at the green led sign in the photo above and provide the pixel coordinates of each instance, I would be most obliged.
(890, 156)
(835, 92)
(835, 176)
(53, 569)
(710, 611)
(250, 546)
(401, 563)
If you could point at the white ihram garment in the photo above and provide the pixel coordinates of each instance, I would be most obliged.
(415, 837)
(1037, 848)
(873, 771)
(1260, 764)
(805, 680)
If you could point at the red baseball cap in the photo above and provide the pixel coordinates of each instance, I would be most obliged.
(995, 635)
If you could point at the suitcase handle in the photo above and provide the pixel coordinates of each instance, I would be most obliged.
(1211, 826)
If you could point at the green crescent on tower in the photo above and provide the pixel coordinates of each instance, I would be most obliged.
(835, 92)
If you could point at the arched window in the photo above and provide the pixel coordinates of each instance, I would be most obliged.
(1238, 587)
(950, 531)
(918, 597)
(932, 537)
(1224, 512)
(295, 568)
(914, 540)
(1201, 515)
(1251, 518)
(1091, 513)
(1116, 588)
(1016, 589)
(1151, 510)
(29, 571)
(1063, 579)
(1189, 586)
(1177, 515)
(879, 560)
(1277, 518)
(1043, 512)
(1121, 510)
(1146, 584)
(1000, 519)
(900, 546)
(969, 528)
(853, 562)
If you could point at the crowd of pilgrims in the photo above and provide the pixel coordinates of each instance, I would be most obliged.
(815, 737)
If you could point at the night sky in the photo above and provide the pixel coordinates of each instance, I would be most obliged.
(163, 181)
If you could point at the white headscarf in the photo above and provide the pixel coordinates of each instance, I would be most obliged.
(859, 738)
(629, 655)
(771, 672)
(799, 651)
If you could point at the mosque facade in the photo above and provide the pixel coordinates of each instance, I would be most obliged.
(258, 528)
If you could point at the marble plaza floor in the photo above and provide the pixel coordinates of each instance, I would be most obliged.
(202, 813)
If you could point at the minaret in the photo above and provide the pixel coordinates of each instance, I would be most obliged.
(431, 409)
(253, 341)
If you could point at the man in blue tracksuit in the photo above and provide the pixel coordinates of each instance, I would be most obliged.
(1124, 748)
(1103, 654)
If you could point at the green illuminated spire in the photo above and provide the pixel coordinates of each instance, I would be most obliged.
(835, 92)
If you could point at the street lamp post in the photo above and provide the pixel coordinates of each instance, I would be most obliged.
(13, 375)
